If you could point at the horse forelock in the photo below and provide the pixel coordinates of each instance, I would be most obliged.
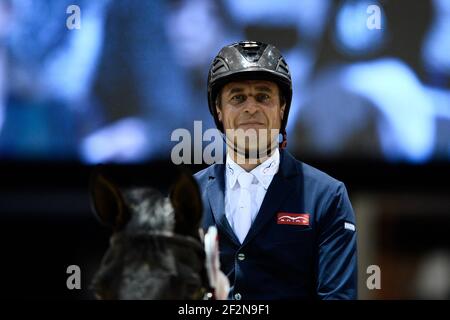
(150, 212)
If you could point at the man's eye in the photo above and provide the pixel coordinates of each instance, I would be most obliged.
(262, 97)
(238, 98)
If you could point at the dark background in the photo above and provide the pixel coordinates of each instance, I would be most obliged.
(47, 223)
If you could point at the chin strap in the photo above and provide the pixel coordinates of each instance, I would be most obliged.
(283, 143)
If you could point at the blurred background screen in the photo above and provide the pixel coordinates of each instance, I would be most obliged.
(371, 107)
(115, 89)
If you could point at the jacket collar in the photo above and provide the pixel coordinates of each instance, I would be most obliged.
(263, 172)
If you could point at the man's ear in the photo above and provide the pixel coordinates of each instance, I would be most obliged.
(219, 113)
(107, 201)
(187, 203)
(282, 111)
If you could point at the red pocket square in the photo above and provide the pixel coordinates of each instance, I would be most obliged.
(298, 219)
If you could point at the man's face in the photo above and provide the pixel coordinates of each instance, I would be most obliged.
(253, 106)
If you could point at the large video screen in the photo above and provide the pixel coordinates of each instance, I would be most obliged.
(110, 81)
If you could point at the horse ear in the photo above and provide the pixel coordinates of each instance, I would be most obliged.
(187, 202)
(107, 201)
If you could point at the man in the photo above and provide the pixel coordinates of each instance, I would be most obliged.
(286, 229)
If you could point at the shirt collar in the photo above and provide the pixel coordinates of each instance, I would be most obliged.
(263, 173)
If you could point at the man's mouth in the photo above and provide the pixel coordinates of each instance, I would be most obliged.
(251, 124)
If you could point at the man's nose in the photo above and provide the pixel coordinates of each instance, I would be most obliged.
(251, 105)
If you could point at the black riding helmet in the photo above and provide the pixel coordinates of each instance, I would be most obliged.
(249, 60)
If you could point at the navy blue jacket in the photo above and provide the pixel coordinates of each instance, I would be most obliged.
(314, 259)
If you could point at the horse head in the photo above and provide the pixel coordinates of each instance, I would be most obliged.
(156, 251)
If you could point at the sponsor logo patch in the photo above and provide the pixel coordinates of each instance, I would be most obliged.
(298, 219)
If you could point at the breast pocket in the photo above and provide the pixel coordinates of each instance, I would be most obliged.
(290, 234)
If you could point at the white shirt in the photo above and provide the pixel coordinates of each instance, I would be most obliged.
(242, 206)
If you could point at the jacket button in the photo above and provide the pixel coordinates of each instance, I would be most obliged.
(241, 256)
(237, 296)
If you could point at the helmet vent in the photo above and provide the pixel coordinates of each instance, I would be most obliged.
(218, 66)
(251, 50)
(282, 66)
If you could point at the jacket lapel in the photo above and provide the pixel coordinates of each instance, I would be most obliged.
(282, 185)
(216, 197)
